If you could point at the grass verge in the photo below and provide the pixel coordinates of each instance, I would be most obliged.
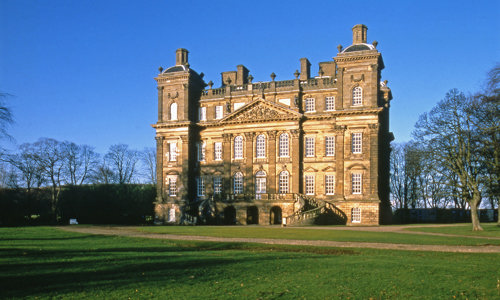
(44, 262)
(311, 234)
(490, 230)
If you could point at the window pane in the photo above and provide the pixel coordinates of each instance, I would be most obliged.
(172, 151)
(284, 145)
(356, 215)
(238, 183)
(283, 182)
(357, 142)
(309, 184)
(238, 147)
(218, 151)
(330, 146)
(173, 111)
(200, 186)
(219, 112)
(172, 186)
(330, 184)
(310, 105)
(203, 114)
(330, 103)
(357, 96)
(261, 146)
(310, 147)
(356, 183)
(217, 185)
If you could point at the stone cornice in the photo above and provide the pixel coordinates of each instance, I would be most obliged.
(171, 125)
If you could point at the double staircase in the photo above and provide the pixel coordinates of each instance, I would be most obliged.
(314, 211)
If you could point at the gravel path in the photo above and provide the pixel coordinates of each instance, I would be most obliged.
(131, 232)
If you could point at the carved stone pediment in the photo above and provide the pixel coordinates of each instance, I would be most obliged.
(261, 110)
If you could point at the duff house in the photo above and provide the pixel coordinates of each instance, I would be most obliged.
(313, 149)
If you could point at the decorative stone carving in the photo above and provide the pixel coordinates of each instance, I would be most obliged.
(358, 79)
(272, 134)
(260, 112)
(295, 133)
(340, 128)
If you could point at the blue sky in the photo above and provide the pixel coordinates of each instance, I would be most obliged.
(83, 70)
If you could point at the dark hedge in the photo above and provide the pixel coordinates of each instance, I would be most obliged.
(89, 204)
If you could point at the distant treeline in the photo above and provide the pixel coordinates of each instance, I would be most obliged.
(89, 204)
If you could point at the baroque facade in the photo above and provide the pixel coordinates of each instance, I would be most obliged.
(308, 149)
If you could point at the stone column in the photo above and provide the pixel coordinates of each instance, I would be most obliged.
(373, 152)
(226, 156)
(272, 162)
(184, 176)
(159, 169)
(160, 104)
(339, 159)
(295, 152)
(339, 101)
(249, 153)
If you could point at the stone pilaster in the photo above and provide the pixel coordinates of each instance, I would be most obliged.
(159, 169)
(339, 159)
(160, 104)
(272, 161)
(249, 178)
(226, 155)
(295, 152)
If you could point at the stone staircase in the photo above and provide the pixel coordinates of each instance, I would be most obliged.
(316, 212)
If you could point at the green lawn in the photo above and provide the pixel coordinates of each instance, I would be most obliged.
(490, 230)
(327, 235)
(44, 262)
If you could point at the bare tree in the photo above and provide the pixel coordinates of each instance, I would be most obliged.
(81, 161)
(122, 162)
(148, 157)
(449, 137)
(5, 116)
(26, 162)
(485, 115)
(51, 159)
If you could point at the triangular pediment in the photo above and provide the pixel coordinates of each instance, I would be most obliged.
(261, 110)
(329, 169)
(310, 169)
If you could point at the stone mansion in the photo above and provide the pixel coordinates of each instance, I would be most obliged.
(312, 149)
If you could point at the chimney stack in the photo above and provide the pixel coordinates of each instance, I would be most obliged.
(305, 69)
(181, 57)
(359, 34)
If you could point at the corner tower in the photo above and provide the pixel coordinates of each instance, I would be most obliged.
(179, 88)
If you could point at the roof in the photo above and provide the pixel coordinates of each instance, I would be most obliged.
(358, 47)
(175, 69)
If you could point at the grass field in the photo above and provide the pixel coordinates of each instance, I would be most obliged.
(335, 235)
(44, 262)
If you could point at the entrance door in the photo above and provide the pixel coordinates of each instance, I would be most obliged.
(252, 215)
(275, 215)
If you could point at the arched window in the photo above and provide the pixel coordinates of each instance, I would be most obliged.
(238, 147)
(261, 146)
(357, 96)
(173, 111)
(238, 183)
(283, 182)
(260, 182)
(284, 145)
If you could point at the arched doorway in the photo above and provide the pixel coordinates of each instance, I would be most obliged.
(229, 215)
(275, 215)
(252, 215)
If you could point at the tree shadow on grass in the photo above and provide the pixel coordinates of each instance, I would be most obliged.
(55, 272)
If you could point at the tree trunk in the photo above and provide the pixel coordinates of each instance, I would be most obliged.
(476, 200)
(498, 215)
